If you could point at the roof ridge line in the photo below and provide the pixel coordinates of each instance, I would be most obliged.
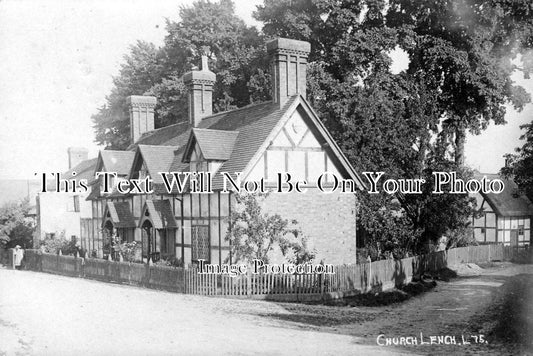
(237, 109)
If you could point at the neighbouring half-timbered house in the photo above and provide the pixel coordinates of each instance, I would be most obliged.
(506, 217)
(259, 141)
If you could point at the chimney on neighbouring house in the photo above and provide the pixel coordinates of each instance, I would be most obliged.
(76, 155)
(200, 85)
(141, 115)
(289, 68)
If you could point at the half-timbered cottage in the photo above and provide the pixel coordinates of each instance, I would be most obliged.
(506, 217)
(259, 141)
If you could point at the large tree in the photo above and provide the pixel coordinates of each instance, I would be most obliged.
(236, 55)
(464, 50)
(520, 165)
(141, 70)
(412, 123)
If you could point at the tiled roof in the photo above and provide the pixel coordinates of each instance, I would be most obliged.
(120, 214)
(508, 202)
(157, 159)
(84, 170)
(161, 214)
(214, 144)
(253, 122)
(117, 161)
(94, 194)
(234, 137)
(171, 135)
(254, 125)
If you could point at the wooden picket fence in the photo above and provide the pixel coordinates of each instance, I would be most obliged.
(346, 279)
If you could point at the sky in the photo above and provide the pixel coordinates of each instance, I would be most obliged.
(58, 60)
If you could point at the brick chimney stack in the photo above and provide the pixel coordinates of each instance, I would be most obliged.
(200, 85)
(76, 155)
(141, 115)
(289, 68)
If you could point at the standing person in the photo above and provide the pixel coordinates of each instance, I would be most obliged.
(18, 255)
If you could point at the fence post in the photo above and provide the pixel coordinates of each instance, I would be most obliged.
(369, 279)
(185, 291)
(322, 277)
(249, 281)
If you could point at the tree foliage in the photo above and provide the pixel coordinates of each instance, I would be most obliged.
(140, 71)
(16, 225)
(463, 51)
(409, 124)
(236, 54)
(520, 165)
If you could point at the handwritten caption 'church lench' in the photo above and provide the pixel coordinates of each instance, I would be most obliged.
(327, 182)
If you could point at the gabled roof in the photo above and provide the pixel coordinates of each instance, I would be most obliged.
(159, 213)
(508, 202)
(156, 159)
(171, 135)
(119, 214)
(256, 134)
(115, 161)
(332, 144)
(95, 192)
(215, 145)
(256, 125)
(84, 170)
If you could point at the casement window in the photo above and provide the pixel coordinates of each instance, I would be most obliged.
(521, 230)
(143, 172)
(200, 242)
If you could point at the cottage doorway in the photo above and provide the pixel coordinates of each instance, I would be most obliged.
(148, 240)
(109, 233)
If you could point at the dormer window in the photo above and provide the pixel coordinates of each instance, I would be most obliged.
(198, 164)
(143, 172)
(207, 150)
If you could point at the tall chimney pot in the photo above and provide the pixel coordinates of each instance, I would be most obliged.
(141, 115)
(200, 85)
(289, 68)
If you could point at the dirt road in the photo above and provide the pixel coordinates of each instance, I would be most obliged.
(451, 309)
(44, 314)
